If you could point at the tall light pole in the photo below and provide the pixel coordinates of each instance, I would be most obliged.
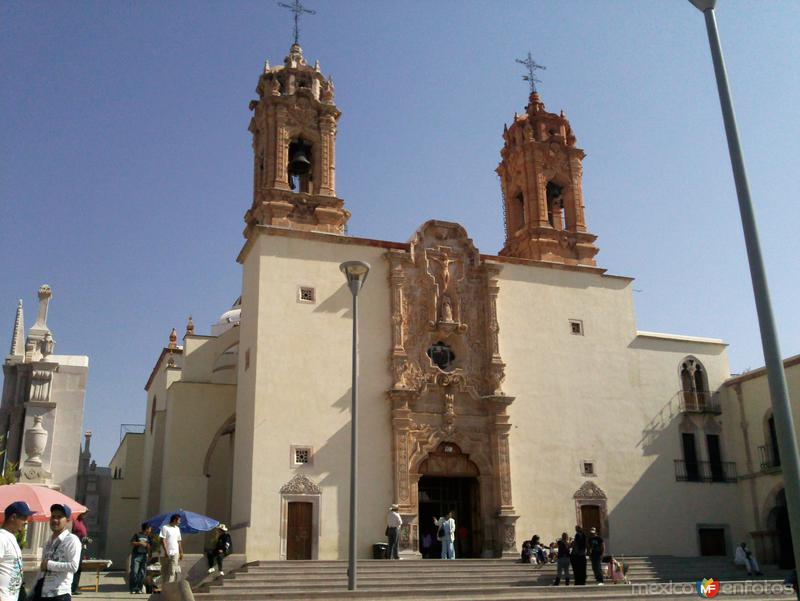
(356, 273)
(779, 393)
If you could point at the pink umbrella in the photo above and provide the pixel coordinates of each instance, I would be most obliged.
(39, 499)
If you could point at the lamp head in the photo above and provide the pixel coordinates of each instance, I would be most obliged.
(704, 5)
(356, 273)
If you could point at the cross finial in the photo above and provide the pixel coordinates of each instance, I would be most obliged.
(532, 65)
(298, 9)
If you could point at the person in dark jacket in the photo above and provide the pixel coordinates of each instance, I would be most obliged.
(597, 548)
(221, 548)
(577, 556)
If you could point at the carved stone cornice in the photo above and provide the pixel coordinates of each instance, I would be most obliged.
(300, 485)
(589, 491)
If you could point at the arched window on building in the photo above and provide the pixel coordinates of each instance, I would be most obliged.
(694, 385)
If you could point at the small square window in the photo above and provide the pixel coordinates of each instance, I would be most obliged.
(306, 294)
(587, 468)
(576, 327)
(301, 455)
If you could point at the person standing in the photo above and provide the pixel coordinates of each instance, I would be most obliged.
(79, 529)
(16, 517)
(141, 551)
(577, 556)
(597, 548)
(61, 557)
(563, 561)
(172, 547)
(448, 527)
(221, 549)
(393, 523)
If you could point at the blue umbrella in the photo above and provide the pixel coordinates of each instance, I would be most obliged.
(190, 522)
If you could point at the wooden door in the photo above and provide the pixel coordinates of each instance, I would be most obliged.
(590, 517)
(712, 542)
(298, 531)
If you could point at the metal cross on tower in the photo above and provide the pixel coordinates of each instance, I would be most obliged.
(532, 65)
(298, 9)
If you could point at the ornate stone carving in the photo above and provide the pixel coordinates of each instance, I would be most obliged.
(35, 442)
(41, 380)
(589, 491)
(300, 485)
(442, 293)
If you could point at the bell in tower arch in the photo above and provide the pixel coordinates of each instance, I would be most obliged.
(299, 167)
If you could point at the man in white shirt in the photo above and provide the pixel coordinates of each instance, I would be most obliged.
(61, 556)
(16, 517)
(173, 549)
(448, 527)
(393, 523)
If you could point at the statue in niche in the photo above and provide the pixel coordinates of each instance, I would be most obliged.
(275, 87)
(447, 310)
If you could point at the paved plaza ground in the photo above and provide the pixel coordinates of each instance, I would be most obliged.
(112, 586)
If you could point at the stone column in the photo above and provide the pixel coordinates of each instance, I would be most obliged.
(576, 170)
(327, 126)
(506, 515)
(281, 150)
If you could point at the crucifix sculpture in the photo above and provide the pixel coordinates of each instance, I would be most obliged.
(532, 65)
(298, 9)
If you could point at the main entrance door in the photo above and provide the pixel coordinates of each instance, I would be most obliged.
(298, 531)
(437, 496)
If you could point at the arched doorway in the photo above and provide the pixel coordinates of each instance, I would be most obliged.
(449, 482)
(778, 523)
(218, 468)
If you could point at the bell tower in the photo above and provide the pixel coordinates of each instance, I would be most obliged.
(540, 174)
(294, 149)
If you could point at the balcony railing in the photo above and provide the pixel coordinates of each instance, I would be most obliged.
(693, 401)
(769, 458)
(705, 471)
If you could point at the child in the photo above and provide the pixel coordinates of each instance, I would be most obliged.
(526, 552)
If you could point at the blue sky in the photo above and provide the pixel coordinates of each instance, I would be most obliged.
(126, 161)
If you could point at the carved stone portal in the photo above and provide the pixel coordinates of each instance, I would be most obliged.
(442, 293)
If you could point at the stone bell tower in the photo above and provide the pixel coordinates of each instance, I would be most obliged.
(294, 148)
(540, 174)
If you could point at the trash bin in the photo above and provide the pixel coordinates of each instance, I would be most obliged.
(380, 551)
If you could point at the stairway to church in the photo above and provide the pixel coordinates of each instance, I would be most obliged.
(473, 579)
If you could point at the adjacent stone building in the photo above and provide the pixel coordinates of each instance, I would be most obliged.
(515, 388)
(41, 414)
(94, 492)
(125, 496)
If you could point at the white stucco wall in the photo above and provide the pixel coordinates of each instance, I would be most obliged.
(300, 376)
(123, 513)
(608, 396)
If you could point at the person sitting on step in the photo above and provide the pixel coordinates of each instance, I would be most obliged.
(745, 557)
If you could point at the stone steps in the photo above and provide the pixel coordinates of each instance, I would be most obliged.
(598, 593)
(461, 580)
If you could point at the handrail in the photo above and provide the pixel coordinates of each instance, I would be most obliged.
(705, 471)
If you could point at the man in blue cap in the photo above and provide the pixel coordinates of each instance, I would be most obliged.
(16, 517)
(61, 557)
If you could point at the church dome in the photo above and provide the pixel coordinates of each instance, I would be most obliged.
(229, 319)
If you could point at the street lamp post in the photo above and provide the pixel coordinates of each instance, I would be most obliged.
(356, 273)
(779, 393)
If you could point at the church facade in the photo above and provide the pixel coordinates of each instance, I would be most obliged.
(512, 388)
